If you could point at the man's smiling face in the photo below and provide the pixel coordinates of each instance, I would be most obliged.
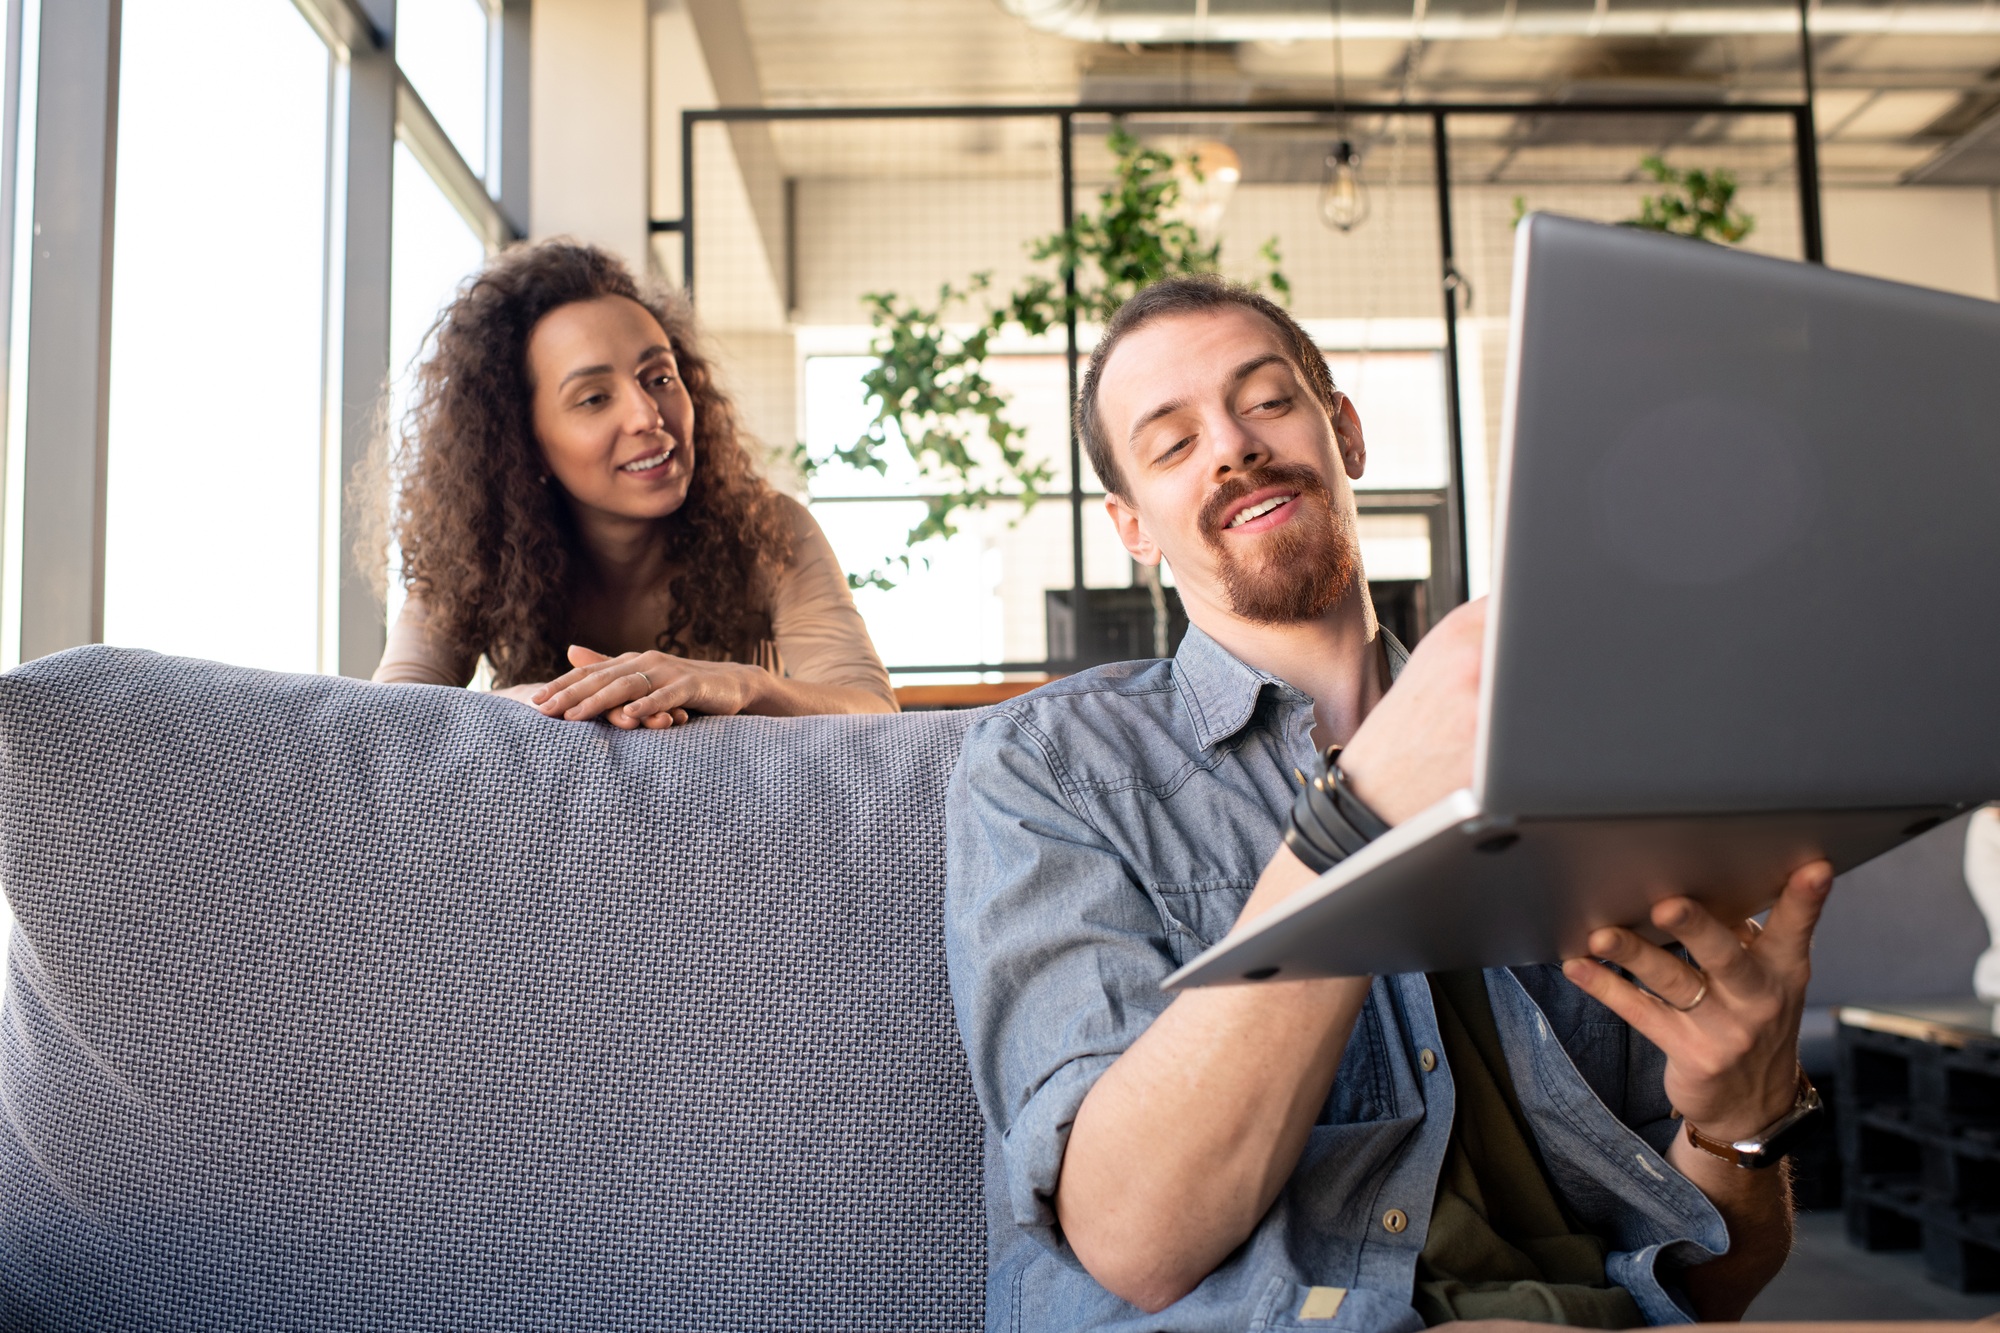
(1229, 467)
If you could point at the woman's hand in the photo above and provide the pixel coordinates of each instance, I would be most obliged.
(522, 694)
(1729, 1024)
(650, 689)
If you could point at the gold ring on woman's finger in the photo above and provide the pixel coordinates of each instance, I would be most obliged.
(1699, 996)
(648, 679)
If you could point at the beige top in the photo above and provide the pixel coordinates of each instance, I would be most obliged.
(817, 635)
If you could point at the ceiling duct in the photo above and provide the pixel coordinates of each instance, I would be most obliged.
(1154, 21)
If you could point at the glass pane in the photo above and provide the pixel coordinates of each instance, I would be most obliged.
(1399, 397)
(213, 534)
(838, 412)
(441, 47)
(431, 251)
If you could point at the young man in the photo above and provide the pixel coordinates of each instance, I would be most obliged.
(1358, 1153)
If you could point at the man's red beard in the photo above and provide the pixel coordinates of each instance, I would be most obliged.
(1304, 567)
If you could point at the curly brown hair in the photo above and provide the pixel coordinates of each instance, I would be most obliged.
(488, 541)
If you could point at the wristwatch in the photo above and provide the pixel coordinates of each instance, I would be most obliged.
(1769, 1145)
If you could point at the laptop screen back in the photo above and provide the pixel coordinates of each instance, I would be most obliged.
(1749, 536)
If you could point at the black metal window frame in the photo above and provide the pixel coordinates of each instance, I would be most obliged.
(1449, 581)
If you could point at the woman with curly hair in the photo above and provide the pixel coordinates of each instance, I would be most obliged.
(577, 505)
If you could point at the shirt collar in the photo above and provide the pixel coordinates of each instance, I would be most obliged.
(1220, 690)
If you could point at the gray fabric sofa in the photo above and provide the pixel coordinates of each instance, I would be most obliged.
(339, 1006)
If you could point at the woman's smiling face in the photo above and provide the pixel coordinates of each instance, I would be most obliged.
(614, 420)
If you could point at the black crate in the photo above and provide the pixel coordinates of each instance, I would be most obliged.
(1919, 1130)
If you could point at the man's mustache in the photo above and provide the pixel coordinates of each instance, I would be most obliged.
(1297, 475)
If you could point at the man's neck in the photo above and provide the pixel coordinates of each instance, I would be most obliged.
(1335, 659)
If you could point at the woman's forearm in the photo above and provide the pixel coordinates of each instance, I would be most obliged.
(780, 696)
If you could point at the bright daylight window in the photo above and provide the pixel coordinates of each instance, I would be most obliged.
(442, 49)
(431, 252)
(212, 536)
(979, 597)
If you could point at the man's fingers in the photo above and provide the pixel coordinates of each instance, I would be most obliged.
(1647, 1015)
(1790, 931)
(1714, 947)
(1659, 971)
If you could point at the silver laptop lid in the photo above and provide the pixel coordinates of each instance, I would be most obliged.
(1748, 536)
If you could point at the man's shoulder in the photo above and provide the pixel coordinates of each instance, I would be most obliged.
(1109, 720)
(1118, 694)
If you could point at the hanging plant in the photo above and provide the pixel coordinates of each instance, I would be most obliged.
(928, 387)
(1696, 203)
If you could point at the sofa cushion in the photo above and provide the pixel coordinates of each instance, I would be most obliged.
(335, 1005)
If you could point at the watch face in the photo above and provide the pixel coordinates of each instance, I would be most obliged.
(1788, 1138)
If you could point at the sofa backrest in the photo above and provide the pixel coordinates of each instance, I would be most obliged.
(344, 1006)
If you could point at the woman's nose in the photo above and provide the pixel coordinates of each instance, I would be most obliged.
(642, 413)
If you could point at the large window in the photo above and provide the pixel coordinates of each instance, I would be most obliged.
(980, 599)
(212, 526)
(433, 250)
(443, 47)
(977, 597)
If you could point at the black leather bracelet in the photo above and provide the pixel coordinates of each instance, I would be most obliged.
(1329, 822)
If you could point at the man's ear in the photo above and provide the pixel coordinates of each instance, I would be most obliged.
(1138, 543)
(1348, 439)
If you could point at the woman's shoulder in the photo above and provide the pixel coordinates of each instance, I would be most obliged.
(808, 541)
(794, 512)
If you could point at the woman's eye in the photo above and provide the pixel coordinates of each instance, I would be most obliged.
(662, 381)
(594, 400)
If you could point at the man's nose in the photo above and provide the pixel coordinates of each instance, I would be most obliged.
(1234, 448)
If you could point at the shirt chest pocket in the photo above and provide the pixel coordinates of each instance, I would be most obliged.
(1196, 915)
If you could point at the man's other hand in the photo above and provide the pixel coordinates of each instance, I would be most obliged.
(1729, 1024)
(1415, 748)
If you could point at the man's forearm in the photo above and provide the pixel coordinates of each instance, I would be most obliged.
(1184, 1142)
(1757, 1206)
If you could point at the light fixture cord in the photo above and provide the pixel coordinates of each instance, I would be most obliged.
(1340, 67)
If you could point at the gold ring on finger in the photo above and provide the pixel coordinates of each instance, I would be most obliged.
(1699, 996)
(648, 679)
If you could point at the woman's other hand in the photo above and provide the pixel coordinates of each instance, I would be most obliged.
(650, 689)
(523, 694)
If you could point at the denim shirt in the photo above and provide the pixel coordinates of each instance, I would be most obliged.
(1107, 828)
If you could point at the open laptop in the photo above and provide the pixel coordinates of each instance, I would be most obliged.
(1746, 609)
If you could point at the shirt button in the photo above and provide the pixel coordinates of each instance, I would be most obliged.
(1427, 1059)
(1394, 1221)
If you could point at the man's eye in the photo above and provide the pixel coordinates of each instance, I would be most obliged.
(1174, 448)
(1272, 404)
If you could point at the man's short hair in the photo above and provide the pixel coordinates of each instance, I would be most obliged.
(1187, 295)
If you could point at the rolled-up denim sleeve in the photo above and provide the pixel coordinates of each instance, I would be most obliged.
(1056, 952)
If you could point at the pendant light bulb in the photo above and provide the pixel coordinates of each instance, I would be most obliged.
(1343, 197)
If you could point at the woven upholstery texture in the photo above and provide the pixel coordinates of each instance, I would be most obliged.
(342, 1006)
